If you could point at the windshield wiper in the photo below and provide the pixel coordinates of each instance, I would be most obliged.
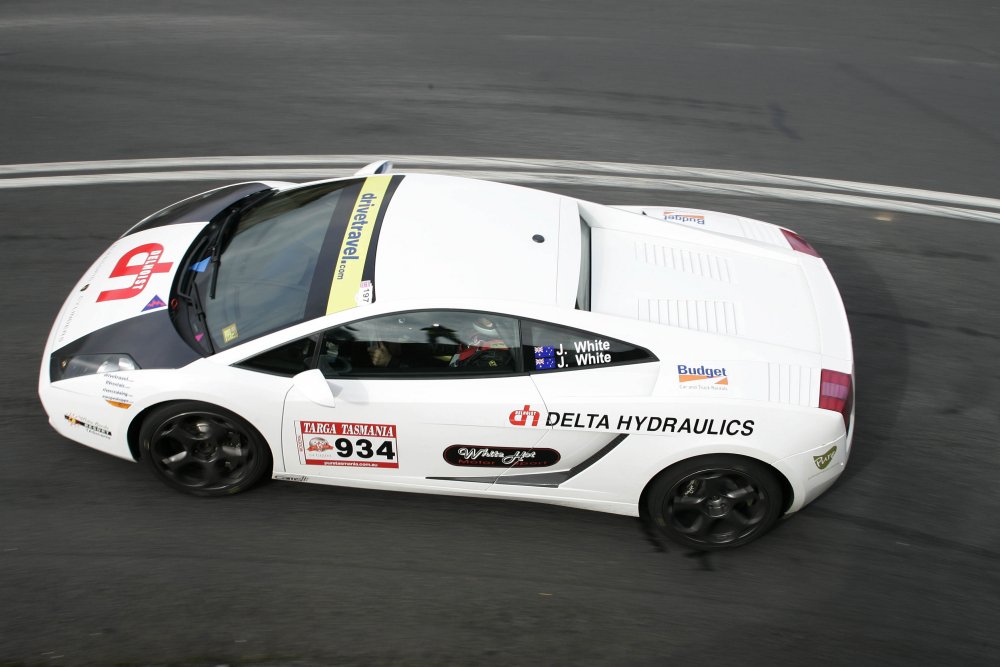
(192, 297)
(232, 215)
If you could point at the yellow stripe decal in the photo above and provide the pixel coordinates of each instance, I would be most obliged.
(345, 290)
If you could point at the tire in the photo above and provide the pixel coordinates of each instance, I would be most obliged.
(715, 502)
(202, 449)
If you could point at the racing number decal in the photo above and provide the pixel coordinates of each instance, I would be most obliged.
(141, 270)
(346, 444)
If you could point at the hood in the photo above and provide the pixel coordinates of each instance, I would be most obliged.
(131, 279)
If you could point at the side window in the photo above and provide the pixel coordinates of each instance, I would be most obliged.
(422, 343)
(289, 359)
(549, 347)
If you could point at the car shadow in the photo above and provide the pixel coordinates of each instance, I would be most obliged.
(881, 353)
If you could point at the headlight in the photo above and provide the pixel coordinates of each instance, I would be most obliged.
(89, 364)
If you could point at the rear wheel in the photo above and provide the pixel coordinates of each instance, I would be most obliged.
(203, 449)
(715, 502)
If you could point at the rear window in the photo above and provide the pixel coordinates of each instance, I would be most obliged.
(550, 347)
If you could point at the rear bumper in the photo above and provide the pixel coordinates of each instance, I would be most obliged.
(812, 472)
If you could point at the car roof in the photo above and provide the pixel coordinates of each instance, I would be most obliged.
(459, 237)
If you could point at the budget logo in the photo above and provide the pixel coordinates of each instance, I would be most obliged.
(702, 377)
(684, 217)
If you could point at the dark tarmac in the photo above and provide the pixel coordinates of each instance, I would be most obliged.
(897, 564)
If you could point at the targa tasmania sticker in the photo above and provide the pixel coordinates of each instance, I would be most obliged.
(346, 444)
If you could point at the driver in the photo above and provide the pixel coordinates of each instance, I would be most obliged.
(384, 355)
(486, 348)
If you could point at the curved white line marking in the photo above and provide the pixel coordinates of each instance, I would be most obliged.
(516, 164)
(514, 170)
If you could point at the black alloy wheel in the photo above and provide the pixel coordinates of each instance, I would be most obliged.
(203, 449)
(715, 502)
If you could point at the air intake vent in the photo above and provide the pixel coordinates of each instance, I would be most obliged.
(764, 233)
(794, 385)
(708, 316)
(695, 263)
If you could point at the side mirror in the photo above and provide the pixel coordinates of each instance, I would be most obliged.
(314, 387)
(377, 167)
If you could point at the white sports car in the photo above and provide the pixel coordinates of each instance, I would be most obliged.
(446, 335)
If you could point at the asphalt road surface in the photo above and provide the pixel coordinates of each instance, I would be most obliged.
(897, 564)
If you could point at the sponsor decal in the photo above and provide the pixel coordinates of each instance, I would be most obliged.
(349, 444)
(154, 303)
(68, 320)
(702, 378)
(147, 262)
(823, 460)
(650, 423)
(318, 445)
(347, 274)
(90, 426)
(523, 416)
(493, 457)
(289, 478)
(117, 390)
(684, 217)
(230, 333)
(366, 293)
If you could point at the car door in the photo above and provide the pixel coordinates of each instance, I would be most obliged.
(416, 399)
(588, 384)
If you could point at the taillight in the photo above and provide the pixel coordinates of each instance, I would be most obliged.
(835, 393)
(799, 243)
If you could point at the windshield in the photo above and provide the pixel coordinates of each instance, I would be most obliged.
(287, 258)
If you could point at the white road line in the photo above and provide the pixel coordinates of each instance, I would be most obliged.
(404, 162)
(517, 164)
(512, 170)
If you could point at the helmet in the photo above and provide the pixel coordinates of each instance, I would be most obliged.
(484, 326)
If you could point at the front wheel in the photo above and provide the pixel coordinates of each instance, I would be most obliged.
(715, 502)
(203, 449)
